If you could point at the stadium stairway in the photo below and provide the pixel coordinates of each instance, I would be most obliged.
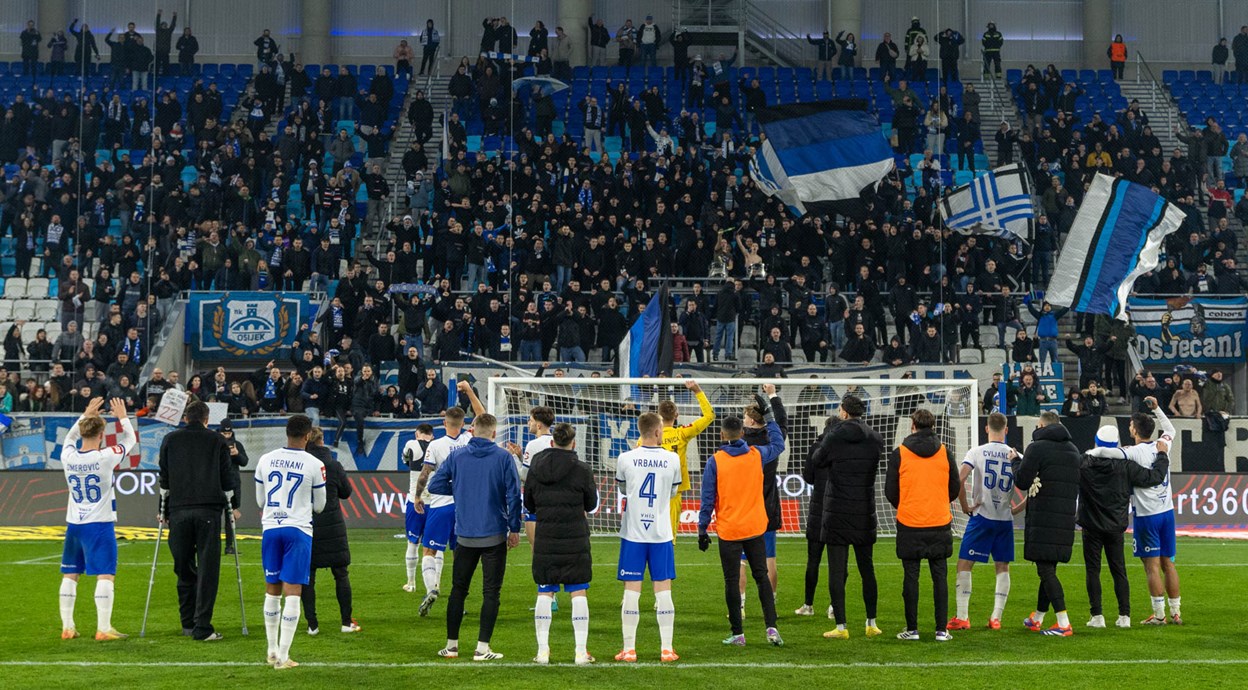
(993, 110)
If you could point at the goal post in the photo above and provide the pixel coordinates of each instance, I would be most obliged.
(604, 413)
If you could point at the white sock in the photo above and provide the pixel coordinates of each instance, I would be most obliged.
(1003, 594)
(963, 589)
(580, 623)
(541, 622)
(1038, 617)
(1159, 606)
(630, 616)
(1063, 621)
(438, 560)
(452, 644)
(431, 571)
(482, 647)
(840, 627)
(413, 562)
(272, 619)
(871, 623)
(103, 605)
(69, 595)
(290, 623)
(1174, 605)
(667, 618)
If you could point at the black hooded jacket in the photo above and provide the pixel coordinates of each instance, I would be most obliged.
(1052, 459)
(1105, 489)
(849, 453)
(559, 490)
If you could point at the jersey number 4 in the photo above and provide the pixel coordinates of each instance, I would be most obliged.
(85, 489)
(275, 484)
(1004, 482)
(647, 490)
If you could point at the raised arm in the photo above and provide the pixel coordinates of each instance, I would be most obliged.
(775, 443)
(704, 405)
(465, 388)
(74, 435)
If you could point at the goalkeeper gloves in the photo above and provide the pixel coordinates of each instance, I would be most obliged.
(1035, 488)
(764, 406)
(704, 541)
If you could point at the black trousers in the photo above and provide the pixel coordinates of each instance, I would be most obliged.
(940, 590)
(1112, 544)
(814, 558)
(195, 542)
(1050, 588)
(838, 573)
(755, 551)
(342, 587)
(493, 562)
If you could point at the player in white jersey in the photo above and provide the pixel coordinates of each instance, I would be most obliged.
(414, 457)
(438, 532)
(1153, 526)
(290, 486)
(648, 476)
(90, 539)
(990, 531)
(540, 421)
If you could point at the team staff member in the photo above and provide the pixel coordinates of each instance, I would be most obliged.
(329, 538)
(756, 435)
(197, 483)
(677, 438)
(732, 488)
(238, 460)
(1049, 473)
(921, 483)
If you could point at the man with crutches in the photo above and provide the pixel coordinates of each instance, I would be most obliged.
(196, 483)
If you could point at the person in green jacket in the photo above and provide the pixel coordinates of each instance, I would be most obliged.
(1216, 395)
(1030, 395)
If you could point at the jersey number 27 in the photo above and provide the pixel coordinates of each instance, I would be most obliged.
(275, 484)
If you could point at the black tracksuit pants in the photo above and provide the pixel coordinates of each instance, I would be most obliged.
(342, 588)
(755, 551)
(1050, 587)
(493, 562)
(939, 568)
(195, 542)
(1111, 543)
(838, 573)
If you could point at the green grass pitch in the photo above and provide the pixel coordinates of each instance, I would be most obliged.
(396, 646)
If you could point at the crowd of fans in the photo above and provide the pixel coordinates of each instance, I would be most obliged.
(546, 252)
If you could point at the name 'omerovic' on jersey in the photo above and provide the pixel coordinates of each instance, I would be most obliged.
(414, 457)
(89, 476)
(439, 450)
(992, 481)
(648, 477)
(288, 477)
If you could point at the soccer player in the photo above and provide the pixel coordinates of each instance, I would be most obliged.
(540, 421)
(1049, 473)
(1154, 515)
(290, 486)
(1104, 503)
(414, 457)
(560, 490)
(438, 531)
(756, 435)
(90, 542)
(990, 531)
(677, 438)
(732, 488)
(648, 477)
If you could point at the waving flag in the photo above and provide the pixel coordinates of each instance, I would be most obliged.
(1115, 239)
(647, 347)
(829, 151)
(997, 202)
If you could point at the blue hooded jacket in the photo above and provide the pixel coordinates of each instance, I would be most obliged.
(483, 479)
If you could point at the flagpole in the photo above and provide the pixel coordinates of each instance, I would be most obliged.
(940, 177)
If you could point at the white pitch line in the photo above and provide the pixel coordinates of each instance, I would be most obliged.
(885, 564)
(36, 561)
(682, 665)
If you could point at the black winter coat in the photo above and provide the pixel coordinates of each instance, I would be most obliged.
(849, 453)
(329, 529)
(1053, 460)
(559, 490)
(1105, 489)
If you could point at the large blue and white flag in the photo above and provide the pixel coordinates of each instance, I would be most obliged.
(998, 202)
(646, 349)
(1115, 239)
(828, 151)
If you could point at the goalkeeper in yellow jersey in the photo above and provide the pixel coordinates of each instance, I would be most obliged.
(677, 438)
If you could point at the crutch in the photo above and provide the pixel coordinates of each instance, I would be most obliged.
(160, 531)
(238, 571)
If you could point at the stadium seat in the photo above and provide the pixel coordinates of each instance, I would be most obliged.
(47, 310)
(15, 288)
(6, 310)
(24, 310)
(37, 288)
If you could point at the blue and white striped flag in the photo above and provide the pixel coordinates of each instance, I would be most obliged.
(1116, 238)
(997, 202)
(828, 151)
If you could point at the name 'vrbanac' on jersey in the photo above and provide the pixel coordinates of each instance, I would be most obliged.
(286, 479)
(89, 476)
(531, 449)
(992, 480)
(648, 477)
(439, 450)
(414, 457)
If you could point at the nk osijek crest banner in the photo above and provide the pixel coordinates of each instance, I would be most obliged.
(244, 324)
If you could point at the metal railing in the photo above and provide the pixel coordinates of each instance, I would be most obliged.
(1159, 96)
(785, 46)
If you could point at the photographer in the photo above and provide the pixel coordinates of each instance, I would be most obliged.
(238, 460)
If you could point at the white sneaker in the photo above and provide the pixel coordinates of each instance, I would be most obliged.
(314, 631)
(542, 658)
(1097, 622)
(943, 636)
(804, 610)
(831, 613)
(487, 655)
(354, 627)
(409, 587)
(584, 659)
(908, 635)
(1123, 622)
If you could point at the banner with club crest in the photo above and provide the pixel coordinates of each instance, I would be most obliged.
(1194, 330)
(245, 325)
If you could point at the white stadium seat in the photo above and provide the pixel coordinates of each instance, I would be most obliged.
(15, 288)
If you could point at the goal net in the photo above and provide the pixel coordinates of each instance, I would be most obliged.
(604, 412)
